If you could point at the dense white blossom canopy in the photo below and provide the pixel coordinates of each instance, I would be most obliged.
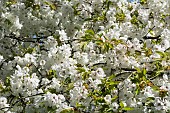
(84, 56)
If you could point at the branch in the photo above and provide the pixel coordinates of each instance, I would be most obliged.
(150, 37)
(21, 99)
(21, 39)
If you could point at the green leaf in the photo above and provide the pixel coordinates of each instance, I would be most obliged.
(90, 31)
(138, 70)
(134, 13)
(120, 17)
(11, 2)
(121, 104)
(85, 75)
(7, 81)
(148, 52)
(162, 54)
(29, 50)
(134, 21)
(52, 5)
(150, 98)
(112, 83)
(130, 7)
(142, 2)
(128, 108)
(52, 90)
(36, 7)
(29, 3)
(70, 86)
(111, 77)
(50, 109)
(100, 100)
(99, 42)
(1, 87)
(137, 52)
(144, 71)
(67, 80)
(80, 69)
(79, 105)
(110, 110)
(67, 111)
(57, 37)
(114, 98)
(155, 88)
(137, 91)
(83, 45)
(156, 74)
(51, 74)
(75, 7)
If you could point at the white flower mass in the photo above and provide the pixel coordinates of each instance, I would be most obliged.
(84, 56)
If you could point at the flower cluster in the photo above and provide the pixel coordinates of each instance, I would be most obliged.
(84, 56)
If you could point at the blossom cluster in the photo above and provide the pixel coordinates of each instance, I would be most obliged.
(84, 56)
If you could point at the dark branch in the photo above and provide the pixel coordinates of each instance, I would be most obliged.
(149, 37)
